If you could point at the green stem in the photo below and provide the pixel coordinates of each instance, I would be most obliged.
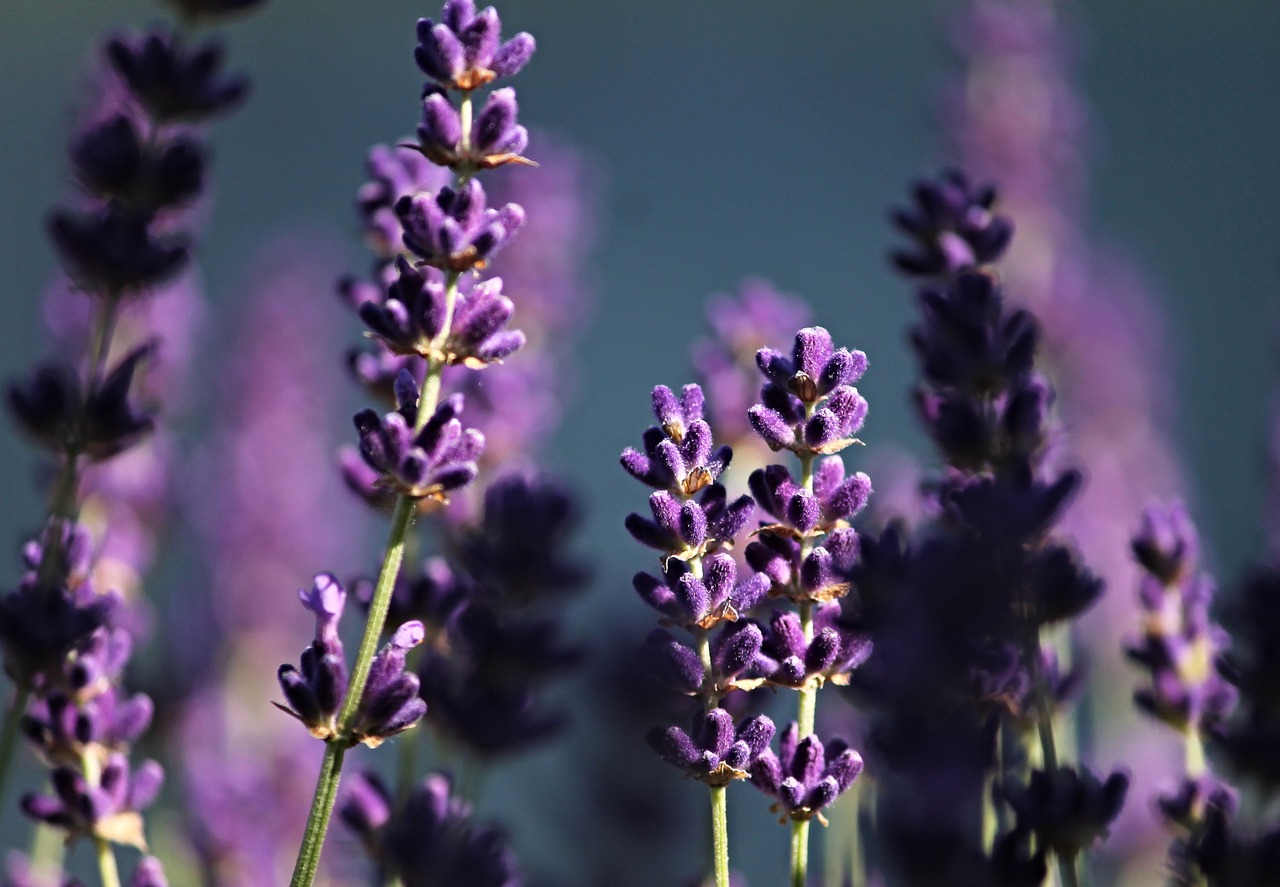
(720, 833)
(799, 852)
(1194, 750)
(9, 736)
(107, 870)
(304, 871)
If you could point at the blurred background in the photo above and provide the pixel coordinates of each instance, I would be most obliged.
(722, 141)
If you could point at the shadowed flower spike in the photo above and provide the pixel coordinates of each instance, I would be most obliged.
(429, 464)
(495, 139)
(702, 601)
(107, 810)
(464, 51)
(110, 249)
(716, 753)
(51, 407)
(805, 776)
(952, 227)
(455, 230)
(679, 454)
(1066, 809)
(172, 82)
(390, 703)
(734, 649)
(40, 625)
(412, 314)
(315, 692)
(808, 404)
(114, 161)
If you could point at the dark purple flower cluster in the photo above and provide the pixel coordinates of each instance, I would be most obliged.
(951, 226)
(429, 840)
(806, 775)
(315, 690)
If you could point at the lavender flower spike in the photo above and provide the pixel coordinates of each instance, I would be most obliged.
(679, 454)
(315, 691)
(455, 230)
(108, 810)
(426, 465)
(805, 776)
(464, 50)
(390, 703)
(716, 753)
(952, 227)
(496, 139)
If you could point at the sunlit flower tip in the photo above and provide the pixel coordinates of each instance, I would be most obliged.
(455, 230)
(1068, 809)
(952, 227)
(805, 776)
(325, 598)
(815, 368)
(702, 602)
(495, 138)
(465, 50)
(427, 464)
(679, 453)
(108, 810)
(113, 161)
(390, 704)
(172, 82)
(716, 753)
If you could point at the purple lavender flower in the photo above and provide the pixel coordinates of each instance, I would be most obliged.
(702, 601)
(108, 808)
(430, 840)
(113, 160)
(1179, 645)
(426, 465)
(734, 649)
(495, 139)
(1068, 809)
(679, 453)
(952, 227)
(111, 250)
(808, 403)
(833, 501)
(389, 704)
(454, 229)
(394, 172)
(412, 315)
(805, 776)
(465, 50)
(693, 527)
(40, 625)
(172, 82)
(716, 753)
(787, 659)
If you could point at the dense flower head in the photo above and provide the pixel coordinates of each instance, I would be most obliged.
(107, 808)
(173, 82)
(808, 403)
(430, 840)
(63, 728)
(1179, 646)
(465, 51)
(315, 690)
(411, 316)
(495, 138)
(679, 453)
(805, 776)
(1068, 809)
(951, 227)
(821, 574)
(788, 659)
(702, 601)
(41, 624)
(693, 527)
(832, 502)
(734, 649)
(427, 464)
(394, 172)
(454, 229)
(715, 752)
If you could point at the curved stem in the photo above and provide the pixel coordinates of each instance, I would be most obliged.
(107, 870)
(720, 833)
(799, 853)
(9, 734)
